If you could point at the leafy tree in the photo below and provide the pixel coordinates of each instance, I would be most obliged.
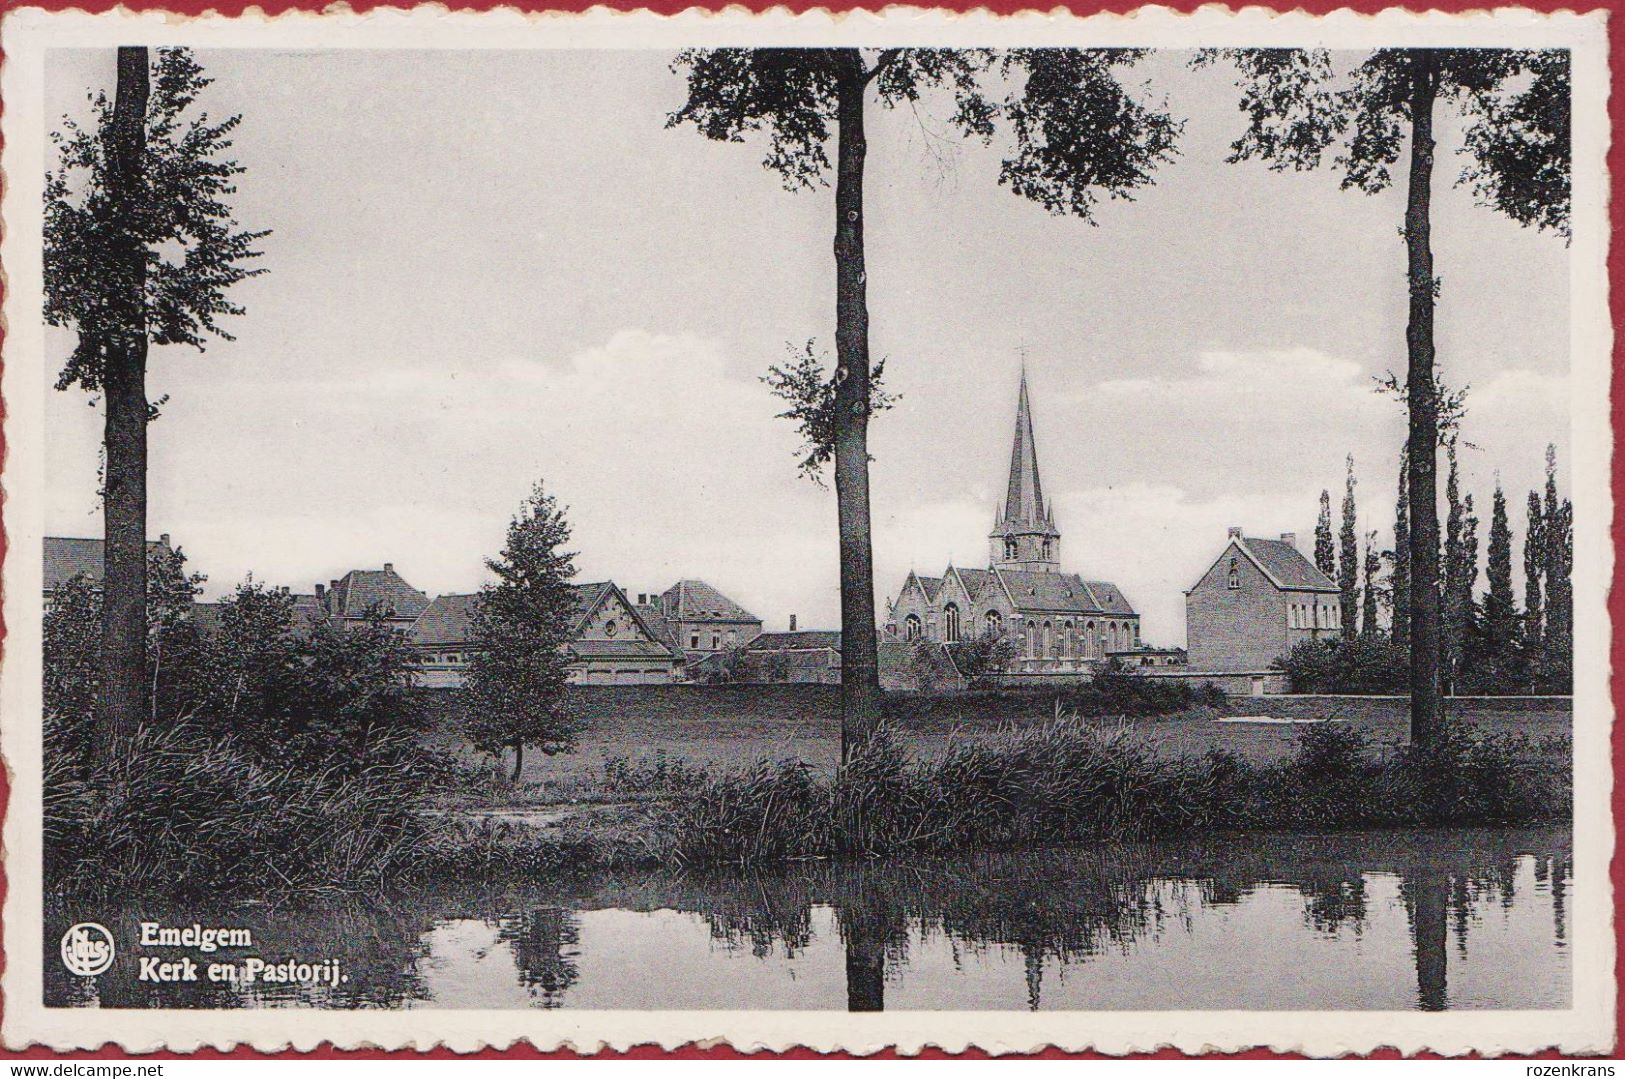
(176, 681)
(521, 625)
(1348, 558)
(1369, 626)
(982, 658)
(1076, 133)
(1516, 107)
(142, 182)
(1325, 552)
(1402, 560)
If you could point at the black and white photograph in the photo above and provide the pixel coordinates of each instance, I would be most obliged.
(925, 529)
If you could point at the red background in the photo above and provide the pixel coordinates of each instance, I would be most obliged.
(1616, 601)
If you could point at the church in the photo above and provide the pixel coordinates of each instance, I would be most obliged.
(1059, 622)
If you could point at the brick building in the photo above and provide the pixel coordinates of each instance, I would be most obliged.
(698, 619)
(1059, 621)
(1256, 601)
(610, 644)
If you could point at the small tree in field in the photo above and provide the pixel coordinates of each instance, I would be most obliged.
(140, 248)
(518, 675)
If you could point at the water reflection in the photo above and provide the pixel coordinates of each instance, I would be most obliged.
(1394, 920)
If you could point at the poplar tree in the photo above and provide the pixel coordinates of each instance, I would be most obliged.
(140, 249)
(1516, 113)
(1534, 566)
(1451, 569)
(1077, 134)
(1325, 552)
(1557, 528)
(1402, 560)
(1369, 626)
(1348, 560)
(1500, 610)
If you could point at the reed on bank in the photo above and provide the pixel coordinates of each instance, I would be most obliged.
(1071, 782)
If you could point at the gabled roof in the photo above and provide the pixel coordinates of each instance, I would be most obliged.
(797, 639)
(974, 580)
(1280, 562)
(932, 586)
(361, 589)
(1286, 566)
(696, 601)
(445, 621)
(655, 619)
(1109, 599)
(588, 598)
(1031, 590)
(67, 557)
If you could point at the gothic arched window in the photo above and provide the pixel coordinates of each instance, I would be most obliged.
(1066, 638)
(1009, 548)
(1032, 638)
(1047, 549)
(950, 623)
(995, 623)
(1235, 574)
(1049, 641)
(911, 628)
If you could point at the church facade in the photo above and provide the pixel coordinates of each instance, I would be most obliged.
(1057, 621)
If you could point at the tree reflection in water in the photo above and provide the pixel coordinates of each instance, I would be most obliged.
(1054, 909)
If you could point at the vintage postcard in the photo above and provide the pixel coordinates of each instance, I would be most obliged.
(888, 530)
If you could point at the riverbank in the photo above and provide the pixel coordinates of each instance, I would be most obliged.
(643, 730)
(1061, 782)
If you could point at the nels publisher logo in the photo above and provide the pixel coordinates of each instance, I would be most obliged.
(87, 949)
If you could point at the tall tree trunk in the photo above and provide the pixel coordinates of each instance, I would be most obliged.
(1427, 719)
(124, 502)
(860, 673)
(518, 759)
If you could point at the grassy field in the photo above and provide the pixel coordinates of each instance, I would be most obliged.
(722, 726)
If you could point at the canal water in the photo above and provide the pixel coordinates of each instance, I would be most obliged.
(1394, 920)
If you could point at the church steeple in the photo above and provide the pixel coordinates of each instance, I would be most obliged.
(1024, 497)
(1024, 534)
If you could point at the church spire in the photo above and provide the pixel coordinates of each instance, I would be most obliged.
(1024, 534)
(1024, 498)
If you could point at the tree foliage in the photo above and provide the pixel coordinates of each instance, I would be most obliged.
(1515, 103)
(192, 247)
(522, 623)
(803, 384)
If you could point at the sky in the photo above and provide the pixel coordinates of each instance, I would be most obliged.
(489, 269)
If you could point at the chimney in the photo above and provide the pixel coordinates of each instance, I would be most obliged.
(792, 623)
(321, 590)
(643, 599)
(1235, 531)
(1289, 538)
(389, 567)
(163, 540)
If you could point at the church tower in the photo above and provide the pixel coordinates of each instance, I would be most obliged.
(1024, 536)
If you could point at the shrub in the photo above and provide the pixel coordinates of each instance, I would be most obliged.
(1360, 665)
